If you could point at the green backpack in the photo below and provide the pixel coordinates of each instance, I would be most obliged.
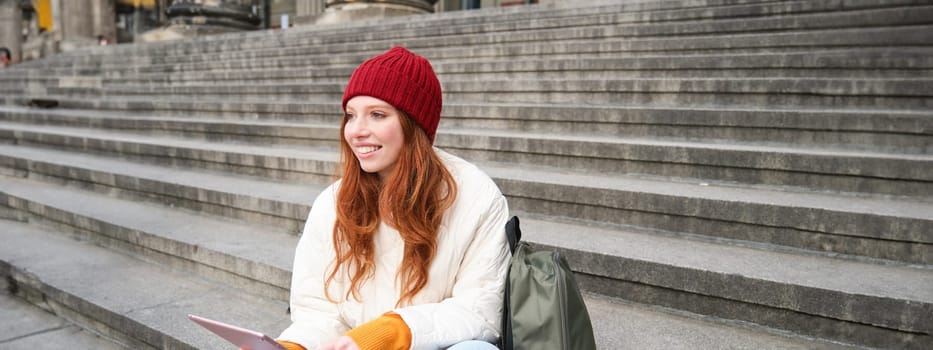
(544, 310)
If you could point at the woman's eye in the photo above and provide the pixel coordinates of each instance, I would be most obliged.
(378, 115)
(347, 116)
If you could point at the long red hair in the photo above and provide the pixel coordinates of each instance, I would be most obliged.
(411, 200)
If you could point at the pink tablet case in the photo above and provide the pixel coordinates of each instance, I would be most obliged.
(244, 338)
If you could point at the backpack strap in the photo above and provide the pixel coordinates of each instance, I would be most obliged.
(513, 232)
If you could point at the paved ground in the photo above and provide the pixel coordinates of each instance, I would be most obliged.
(27, 327)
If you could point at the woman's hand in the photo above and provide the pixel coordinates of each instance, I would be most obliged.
(342, 343)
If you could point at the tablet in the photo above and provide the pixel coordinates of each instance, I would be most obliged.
(241, 337)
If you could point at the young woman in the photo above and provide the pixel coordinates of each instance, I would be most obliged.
(407, 250)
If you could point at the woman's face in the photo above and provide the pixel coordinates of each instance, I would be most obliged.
(374, 133)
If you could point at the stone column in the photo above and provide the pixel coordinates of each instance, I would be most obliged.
(77, 24)
(105, 19)
(309, 7)
(307, 11)
(56, 15)
(337, 11)
(448, 5)
(11, 28)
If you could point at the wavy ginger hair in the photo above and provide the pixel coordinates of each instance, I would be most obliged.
(411, 200)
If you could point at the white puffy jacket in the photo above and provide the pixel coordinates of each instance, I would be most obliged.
(463, 297)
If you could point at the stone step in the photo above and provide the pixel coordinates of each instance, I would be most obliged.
(728, 19)
(901, 93)
(136, 303)
(906, 87)
(651, 327)
(894, 131)
(308, 132)
(162, 324)
(791, 61)
(830, 63)
(807, 220)
(890, 132)
(639, 11)
(280, 204)
(853, 63)
(772, 165)
(651, 37)
(610, 142)
(872, 305)
(832, 170)
(10, 214)
(883, 228)
(530, 17)
(751, 43)
(28, 326)
(650, 261)
(284, 163)
(250, 255)
(866, 65)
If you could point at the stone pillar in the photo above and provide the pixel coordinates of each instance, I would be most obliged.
(277, 9)
(355, 10)
(11, 28)
(309, 7)
(448, 5)
(77, 23)
(56, 15)
(307, 11)
(105, 19)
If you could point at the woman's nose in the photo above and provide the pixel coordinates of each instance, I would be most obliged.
(356, 128)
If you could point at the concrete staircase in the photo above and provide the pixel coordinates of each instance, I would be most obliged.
(720, 174)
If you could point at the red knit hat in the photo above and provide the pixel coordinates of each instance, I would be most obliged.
(404, 80)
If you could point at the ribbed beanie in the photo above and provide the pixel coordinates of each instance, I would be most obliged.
(404, 80)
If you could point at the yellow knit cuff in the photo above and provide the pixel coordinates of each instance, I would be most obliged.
(289, 345)
(387, 332)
